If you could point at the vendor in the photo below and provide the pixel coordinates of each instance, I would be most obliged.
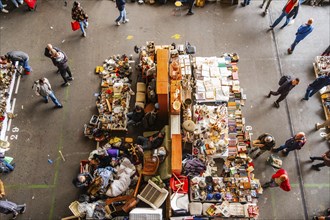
(153, 142)
(83, 180)
(135, 117)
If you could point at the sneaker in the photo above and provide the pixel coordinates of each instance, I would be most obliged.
(266, 12)
(66, 84)
(268, 96)
(4, 5)
(271, 27)
(27, 72)
(59, 106)
(126, 21)
(84, 34)
(242, 4)
(117, 23)
(261, 6)
(311, 158)
(14, 216)
(315, 168)
(289, 51)
(46, 100)
(276, 104)
(4, 10)
(190, 13)
(303, 99)
(317, 126)
(70, 78)
(23, 209)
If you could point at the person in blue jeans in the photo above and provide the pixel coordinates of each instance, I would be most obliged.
(289, 6)
(316, 85)
(294, 143)
(302, 32)
(120, 4)
(17, 2)
(2, 7)
(21, 57)
(78, 14)
(42, 87)
(245, 2)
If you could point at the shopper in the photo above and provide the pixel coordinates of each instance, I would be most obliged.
(149, 120)
(120, 5)
(326, 216)
(21, 57)
(325, 158)
(7, 207)
(48, 53)
(294, 143)
(5, 167)
(323, 125)
(293, 14)
(2, 8)
(42, 87)
(283, 90)
(245, 2)
(285, 12)
(61, 61)
(279, 179)
(267, 5)
(78, 14)
(191, 5)
(302, 32)
(17, 3)
(135, 117)
(265, 142)
(151, 143)
(316, 85)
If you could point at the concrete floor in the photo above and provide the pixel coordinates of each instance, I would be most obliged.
(215, 29)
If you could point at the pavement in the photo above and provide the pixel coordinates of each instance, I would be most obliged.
(39, 131)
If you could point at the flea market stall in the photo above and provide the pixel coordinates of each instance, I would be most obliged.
(200, 166)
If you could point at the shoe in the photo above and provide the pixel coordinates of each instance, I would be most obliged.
(289, 51)
(126, 21)
(27, 72)
(266, 12)
(14, 216)
(117, 23)
(46, 100)
(242, 4)
(23, 209)
(59, 106)
(311, 158)
(276, 104)
(261, 6)
(268, 96)
(66, 84)
(4, 11)
(70, 78)
(303, 99)
(315, 168)
(190, 13)
(271, 27)
(4, 5)
(317, 126)
(84, 34)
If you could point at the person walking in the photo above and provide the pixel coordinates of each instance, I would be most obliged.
(48, 53)
(267, 5)
(293, 14)
(61, 61)
(279, 179)
(21, 57)
(302, 32)
(323, 125)
(7, 207)
(43, 88)
(2, 7)
(265, 142)
(191, 5)
(294, 143)
(283, 90)
(325, 158)
(285, 12)
(78, 14)
(17, 3)
(315, 86)
(120, 5)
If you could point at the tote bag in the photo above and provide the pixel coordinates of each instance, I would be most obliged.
(75, 25)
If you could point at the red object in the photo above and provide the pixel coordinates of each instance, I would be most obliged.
(289, 6)
(285, 185)
(174, 184)
(27, 72)
(31, 3)
(75, 25)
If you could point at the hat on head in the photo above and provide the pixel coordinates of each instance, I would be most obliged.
(156, 106)
(4, 144)
(268, 139)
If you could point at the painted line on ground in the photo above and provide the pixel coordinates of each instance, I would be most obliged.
(273, 201)
(17, 85)
(312, 185)
(57, 163)
(12, 111)
(9, 124)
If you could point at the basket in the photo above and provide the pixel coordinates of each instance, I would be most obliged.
(74, 209)
(153, 195)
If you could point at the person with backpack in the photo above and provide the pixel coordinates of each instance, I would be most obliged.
(315, 86)
(286, 85)
(294, 143)
(265, 142)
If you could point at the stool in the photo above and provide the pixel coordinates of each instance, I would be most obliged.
(178, 7)
(141, 87)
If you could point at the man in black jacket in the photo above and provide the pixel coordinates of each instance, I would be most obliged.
(151, 143)
(61, 61)
(48, 53)
(283, 91)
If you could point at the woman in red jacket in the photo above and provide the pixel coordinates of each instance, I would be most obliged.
(281, 179)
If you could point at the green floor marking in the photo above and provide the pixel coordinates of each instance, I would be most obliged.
(32, 186)
(57, 164)
(312, 185)
(272, 198)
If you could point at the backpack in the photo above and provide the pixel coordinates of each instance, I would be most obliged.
(284, 79)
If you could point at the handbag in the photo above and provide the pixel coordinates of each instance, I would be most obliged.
(75, 25)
